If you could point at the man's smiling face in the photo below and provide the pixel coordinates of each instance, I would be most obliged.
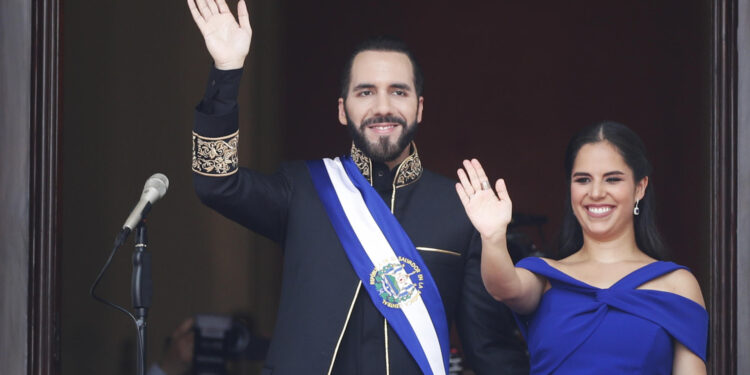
(382, 109)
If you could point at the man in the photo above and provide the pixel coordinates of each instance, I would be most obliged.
(370, 285)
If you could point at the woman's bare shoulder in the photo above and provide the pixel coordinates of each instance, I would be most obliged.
(682, 282)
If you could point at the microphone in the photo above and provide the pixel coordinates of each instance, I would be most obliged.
(155, 188)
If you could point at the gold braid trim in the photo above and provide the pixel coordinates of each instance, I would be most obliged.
(408, 171)
(215, 156)
(363, 162)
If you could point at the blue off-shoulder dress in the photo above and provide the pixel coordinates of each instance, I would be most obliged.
(580, 329)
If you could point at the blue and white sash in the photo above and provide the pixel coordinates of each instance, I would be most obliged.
(384, 258)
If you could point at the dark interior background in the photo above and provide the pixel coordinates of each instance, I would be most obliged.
(506, 82)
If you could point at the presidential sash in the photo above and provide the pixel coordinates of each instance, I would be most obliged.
(385, 259)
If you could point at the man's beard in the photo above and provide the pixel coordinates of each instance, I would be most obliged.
(382, 150)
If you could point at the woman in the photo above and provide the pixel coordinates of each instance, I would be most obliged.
(610, 305)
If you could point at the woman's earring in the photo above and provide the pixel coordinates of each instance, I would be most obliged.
(636, 210)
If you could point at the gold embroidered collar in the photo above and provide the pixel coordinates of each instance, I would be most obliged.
(408, 171)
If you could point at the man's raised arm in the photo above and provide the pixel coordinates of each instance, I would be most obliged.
(253, 199)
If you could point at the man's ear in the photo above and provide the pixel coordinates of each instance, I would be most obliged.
(420, 106)
(342, 112)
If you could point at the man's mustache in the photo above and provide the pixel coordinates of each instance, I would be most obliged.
(382, 119)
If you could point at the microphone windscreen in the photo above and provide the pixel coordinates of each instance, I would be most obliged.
(159, 182)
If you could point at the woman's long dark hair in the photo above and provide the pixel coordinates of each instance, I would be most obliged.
(632, 149)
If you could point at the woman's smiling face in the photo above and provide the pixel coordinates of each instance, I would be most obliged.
(603, 191)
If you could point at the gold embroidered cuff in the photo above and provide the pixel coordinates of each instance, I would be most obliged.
(215, 156)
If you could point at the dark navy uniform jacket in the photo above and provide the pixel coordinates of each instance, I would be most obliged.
(326, 322)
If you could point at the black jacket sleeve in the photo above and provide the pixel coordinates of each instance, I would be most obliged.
(252, 199)
(489, 336)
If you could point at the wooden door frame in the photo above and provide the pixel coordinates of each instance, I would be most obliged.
(722, 299)
(44, 307)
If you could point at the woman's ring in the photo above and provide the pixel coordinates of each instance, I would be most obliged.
(485, 185)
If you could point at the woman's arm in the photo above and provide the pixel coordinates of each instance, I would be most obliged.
(490, 213)
(683, 283)
(686, 362)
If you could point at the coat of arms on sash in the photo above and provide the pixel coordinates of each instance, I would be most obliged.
(397, 283)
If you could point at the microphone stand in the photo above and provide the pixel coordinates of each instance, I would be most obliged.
(141, 285)
(141, 290)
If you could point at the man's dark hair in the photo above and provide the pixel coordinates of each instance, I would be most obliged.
(385, 44)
